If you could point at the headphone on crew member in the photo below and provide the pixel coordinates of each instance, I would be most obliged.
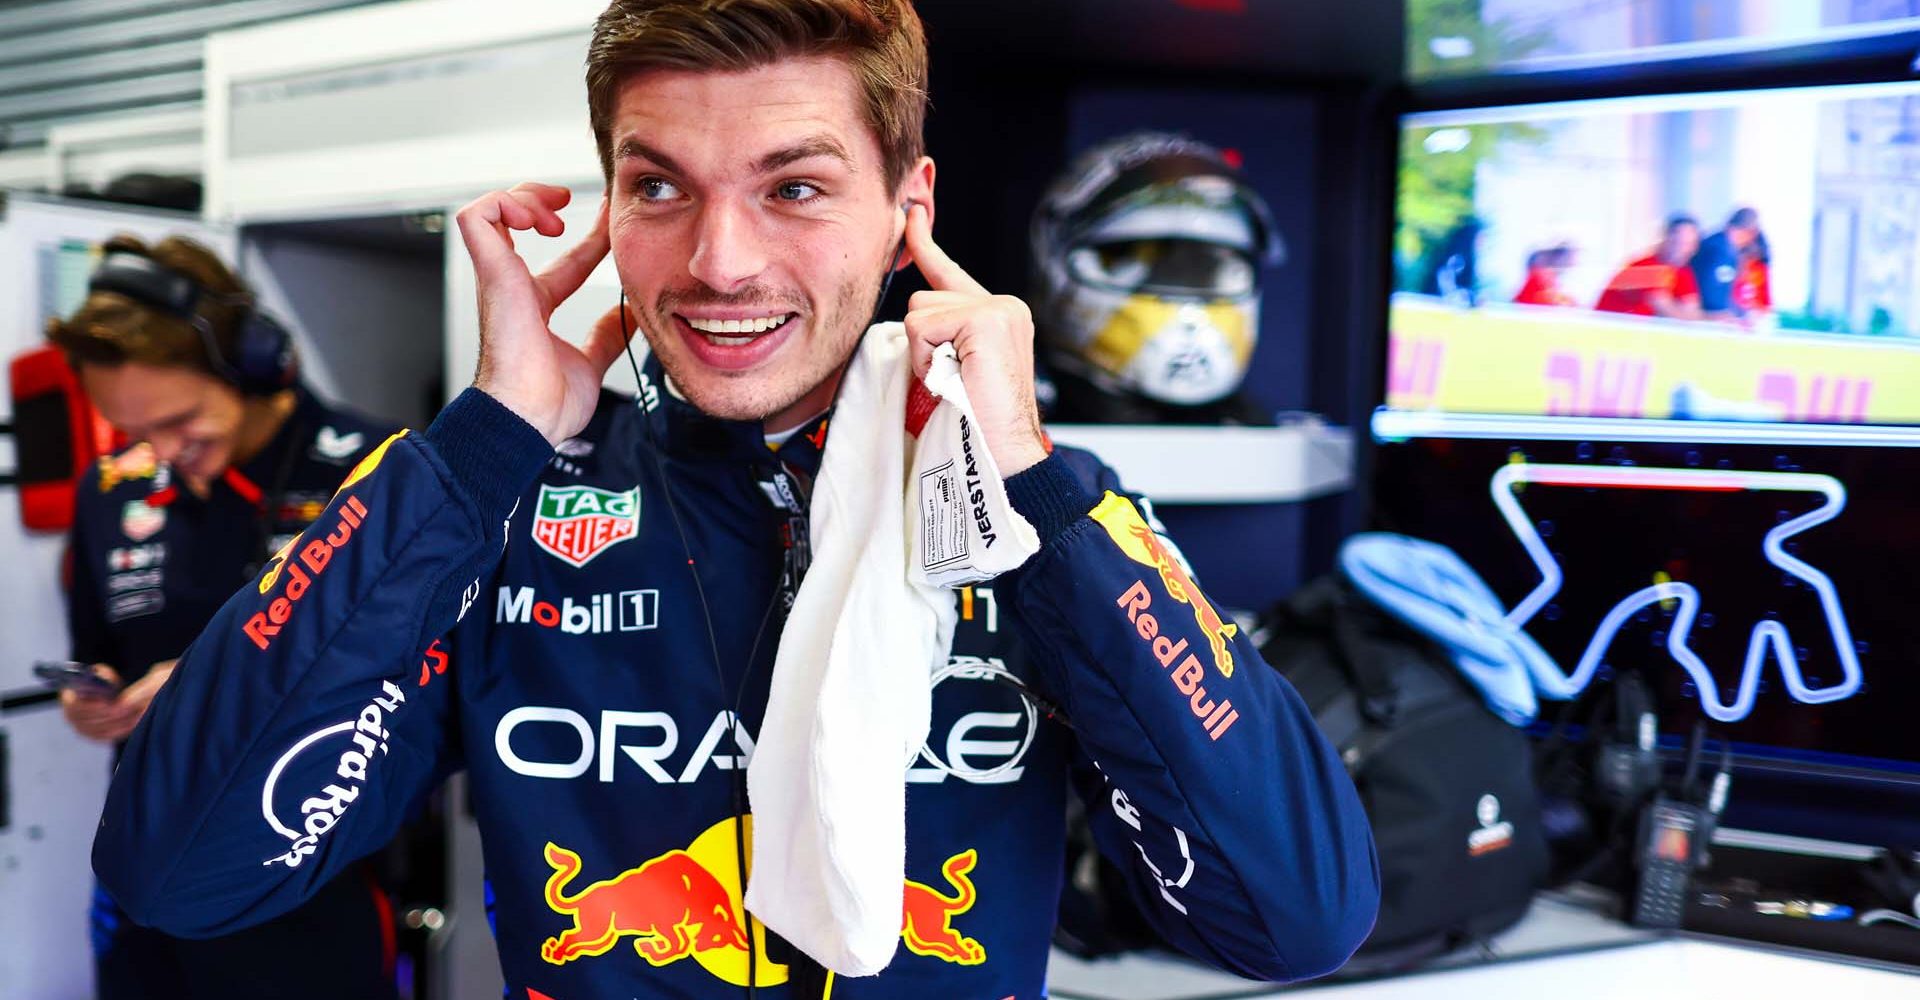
(258, 357)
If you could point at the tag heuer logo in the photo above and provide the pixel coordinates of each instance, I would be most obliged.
(577, 523)
(140, 520)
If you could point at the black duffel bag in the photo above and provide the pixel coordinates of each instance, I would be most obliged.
(1447, 784)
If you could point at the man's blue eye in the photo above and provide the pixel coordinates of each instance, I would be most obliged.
(658, 189)
(798, 191)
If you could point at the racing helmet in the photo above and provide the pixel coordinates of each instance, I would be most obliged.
(1147, 251)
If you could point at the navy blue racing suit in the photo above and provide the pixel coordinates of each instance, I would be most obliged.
(474, 598)
(151, 563)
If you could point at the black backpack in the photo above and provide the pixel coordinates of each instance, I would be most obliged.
(1447, 784)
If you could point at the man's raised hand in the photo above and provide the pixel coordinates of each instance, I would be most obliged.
(993, 336)
(549, 382)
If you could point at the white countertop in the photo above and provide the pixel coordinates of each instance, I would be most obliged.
(1562, 950)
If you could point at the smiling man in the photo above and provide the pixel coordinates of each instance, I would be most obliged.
(577, 597)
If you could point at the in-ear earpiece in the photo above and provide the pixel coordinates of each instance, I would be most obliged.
(899, 254)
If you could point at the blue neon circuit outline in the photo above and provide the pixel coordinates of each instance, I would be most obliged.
(1765, 633)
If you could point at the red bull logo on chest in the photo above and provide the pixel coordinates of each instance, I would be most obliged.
(137, 462)
(576, 523)
(671, 906)
(926, 921)
(686, 904)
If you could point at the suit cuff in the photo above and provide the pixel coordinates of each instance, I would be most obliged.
(492, 454)
(1049, 496)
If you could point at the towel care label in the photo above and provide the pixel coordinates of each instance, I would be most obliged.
(967, 531)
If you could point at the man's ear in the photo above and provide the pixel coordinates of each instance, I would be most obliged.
(915, 189)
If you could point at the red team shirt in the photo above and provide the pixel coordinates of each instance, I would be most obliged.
(1542, 288)
(1631, 290)
(1752, 290)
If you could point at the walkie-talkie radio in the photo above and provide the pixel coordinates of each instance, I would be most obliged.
(1668, 832)
(1675, 833)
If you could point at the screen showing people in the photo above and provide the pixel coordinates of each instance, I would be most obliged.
(1653, 368)
(1737, 256)
(1448, 38)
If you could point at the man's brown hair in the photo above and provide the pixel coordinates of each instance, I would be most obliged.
(111, 329)
(881, 40)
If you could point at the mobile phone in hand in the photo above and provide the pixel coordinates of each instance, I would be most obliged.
(76, 677)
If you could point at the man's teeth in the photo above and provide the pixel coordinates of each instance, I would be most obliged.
(746, 329)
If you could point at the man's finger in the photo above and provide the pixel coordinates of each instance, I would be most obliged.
(940, 323)
(929, 299)
(940, 270)
(483, 228)
(543, 202)
(565, 276)
(541, 219)
(85, 711)
(551, 196)
(118, 728)
(929, 329)
(920, 352)
(112, 677)
(512, 214)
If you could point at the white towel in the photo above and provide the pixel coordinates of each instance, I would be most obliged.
(850, 697)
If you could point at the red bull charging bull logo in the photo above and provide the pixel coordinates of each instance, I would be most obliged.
(671, 906)
(926, 922)
(1128, 531)
(686, 904)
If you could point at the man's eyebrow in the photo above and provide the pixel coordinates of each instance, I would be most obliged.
(634, 149)
(180, 417)
(805, 149)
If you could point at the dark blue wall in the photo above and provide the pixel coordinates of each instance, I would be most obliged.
(1247, 556)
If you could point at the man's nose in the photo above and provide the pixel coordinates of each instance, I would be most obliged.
(166, 447)
(728, 250)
